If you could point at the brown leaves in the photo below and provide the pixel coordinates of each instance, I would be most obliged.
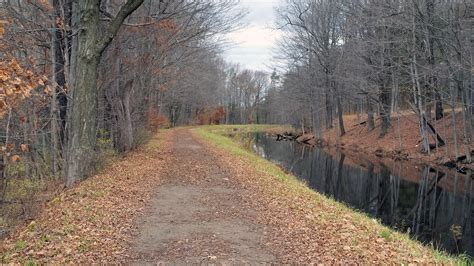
(2, 28)
(15, 158)
(10, 151)
(16, 84)
(24, 148)
(304, 227)
(156, 121)
(90, 223)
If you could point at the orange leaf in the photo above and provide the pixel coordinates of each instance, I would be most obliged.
(24, 148)
(15, 158)
(10, 147)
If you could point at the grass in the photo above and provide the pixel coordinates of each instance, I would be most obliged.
(20, 245)
(22, 188)
(386, 234)
(215, 136)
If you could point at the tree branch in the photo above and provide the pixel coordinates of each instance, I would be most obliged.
(124, 12)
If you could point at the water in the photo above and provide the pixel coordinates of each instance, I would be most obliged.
(434, 206)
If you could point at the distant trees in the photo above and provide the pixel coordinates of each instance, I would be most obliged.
(316, 29)
(210, 88)
(195, 94)
(377, 56)
(244, 93)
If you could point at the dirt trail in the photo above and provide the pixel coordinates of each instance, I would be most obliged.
(197, 215)
(183, 202)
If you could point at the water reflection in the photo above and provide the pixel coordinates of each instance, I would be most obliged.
(434, 206)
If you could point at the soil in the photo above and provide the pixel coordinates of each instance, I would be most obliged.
(188, 219)
(402, 141)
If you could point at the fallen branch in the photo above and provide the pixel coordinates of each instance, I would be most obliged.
(431, 128)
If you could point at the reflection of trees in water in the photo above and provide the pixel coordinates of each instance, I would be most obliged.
(425, 209)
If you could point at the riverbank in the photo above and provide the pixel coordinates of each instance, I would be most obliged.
(402, 141)
(194, 196)
(328, 231)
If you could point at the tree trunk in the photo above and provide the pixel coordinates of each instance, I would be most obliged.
(384, 111)
(87, 47)
(430, 9)
(58, 51)
(439, 111)
(82, 109)
(317, 127)
(82, 120)
(53, 111)
(466, 124)
(453, 118)
(340, 113)
(328, 111)
(370, 115)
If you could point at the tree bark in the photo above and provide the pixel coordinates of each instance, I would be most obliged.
(439, 110)
(340, 113)
(87, 47)
(370, 115)
(384, 111)
(328, 102)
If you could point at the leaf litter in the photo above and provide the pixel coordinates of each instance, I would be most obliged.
(96, 221)
(93, 221)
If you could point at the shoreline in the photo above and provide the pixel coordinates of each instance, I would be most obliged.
(276, 177)
(401, 143)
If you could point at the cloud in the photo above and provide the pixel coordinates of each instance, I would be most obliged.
(252, 46)
(255, 36)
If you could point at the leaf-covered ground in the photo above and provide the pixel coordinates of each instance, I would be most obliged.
(193, 196)
(199, 214)
(93, 221)
(306, 227)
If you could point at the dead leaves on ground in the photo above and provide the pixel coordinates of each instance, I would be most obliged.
(304, 228)
(93, 221)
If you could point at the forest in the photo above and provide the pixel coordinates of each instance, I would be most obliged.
(83, 83)
(76, 86)
(379, 60)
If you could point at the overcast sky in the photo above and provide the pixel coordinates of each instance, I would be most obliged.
(252, 46)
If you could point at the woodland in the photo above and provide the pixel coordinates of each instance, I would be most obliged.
(85, 81)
